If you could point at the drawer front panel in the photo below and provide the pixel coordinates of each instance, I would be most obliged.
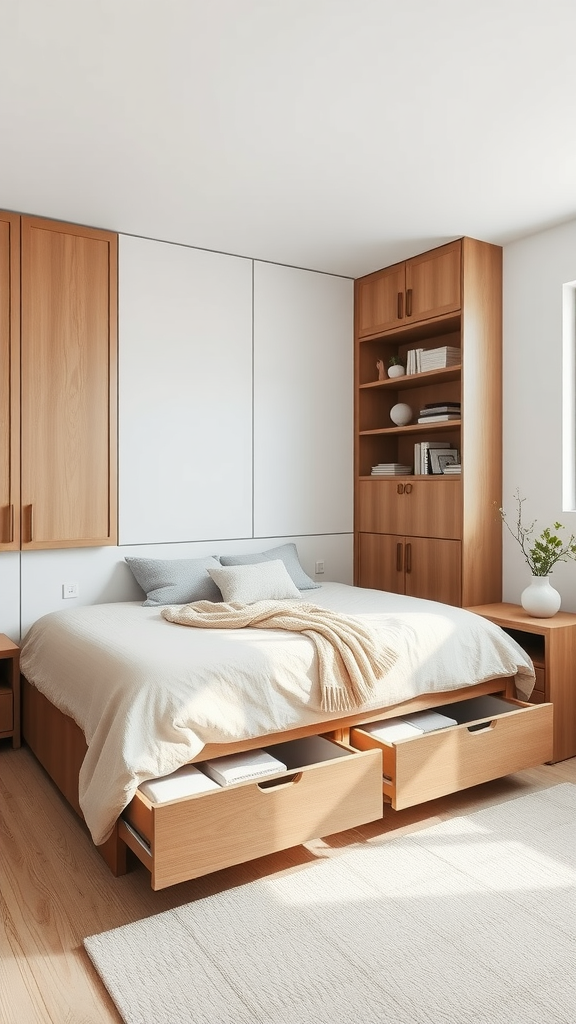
(435, 764)
(6, 712)
(216, 830)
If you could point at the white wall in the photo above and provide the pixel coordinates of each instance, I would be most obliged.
(235, 425)
(535, 269)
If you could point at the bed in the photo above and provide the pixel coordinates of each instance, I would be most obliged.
(116, 695)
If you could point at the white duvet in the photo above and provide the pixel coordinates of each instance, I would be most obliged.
(149, 694)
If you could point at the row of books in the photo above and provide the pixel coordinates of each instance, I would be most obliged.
(433, 457)
(420, 359)
(439, 412)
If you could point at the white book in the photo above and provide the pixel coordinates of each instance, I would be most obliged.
(429, 721)
(184, 781)
(250, 764)
(441, 418)
(417, 463)
(388, 732)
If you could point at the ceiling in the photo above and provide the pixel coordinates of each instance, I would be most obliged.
(338, 135)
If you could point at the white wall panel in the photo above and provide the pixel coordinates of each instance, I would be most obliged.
(185, 393)
(10, 595)
(535, 270)
(303, 402)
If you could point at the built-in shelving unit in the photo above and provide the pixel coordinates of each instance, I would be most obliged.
(434, 535)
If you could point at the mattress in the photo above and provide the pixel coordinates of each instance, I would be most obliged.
(149, 694)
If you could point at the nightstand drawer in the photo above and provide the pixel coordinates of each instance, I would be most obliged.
(540, 684)
(6, 711)
(494, 737)
(329, 787)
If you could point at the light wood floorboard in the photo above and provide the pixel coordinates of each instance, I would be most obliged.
(55, 889)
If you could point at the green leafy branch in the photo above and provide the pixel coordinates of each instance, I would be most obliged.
(540, 553)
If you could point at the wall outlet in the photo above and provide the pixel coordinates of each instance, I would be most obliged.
(319, 568)
(69, 590)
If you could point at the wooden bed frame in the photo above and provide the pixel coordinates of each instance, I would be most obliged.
(59, 745)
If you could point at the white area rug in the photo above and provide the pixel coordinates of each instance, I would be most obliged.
(471, 921)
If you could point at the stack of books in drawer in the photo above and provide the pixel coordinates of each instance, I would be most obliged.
(250, 764)
(439, 358)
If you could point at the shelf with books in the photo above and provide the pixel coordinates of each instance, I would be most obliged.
(410, 380)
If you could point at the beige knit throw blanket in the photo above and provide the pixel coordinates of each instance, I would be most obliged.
(351, 657)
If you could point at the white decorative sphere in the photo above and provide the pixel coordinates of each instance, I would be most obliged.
(401, 414)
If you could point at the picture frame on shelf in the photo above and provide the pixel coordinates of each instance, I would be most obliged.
(440, 457)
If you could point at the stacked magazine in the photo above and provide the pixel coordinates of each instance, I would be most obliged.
(391, 469)
(439, 358)
(438, 412)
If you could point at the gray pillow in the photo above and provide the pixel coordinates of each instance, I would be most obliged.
(175, 580)
(258, 581)
(288, 553)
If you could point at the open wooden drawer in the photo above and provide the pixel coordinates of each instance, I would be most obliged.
(494, 737)
(329, 787)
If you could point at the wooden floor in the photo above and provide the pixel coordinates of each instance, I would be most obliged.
(55, 889)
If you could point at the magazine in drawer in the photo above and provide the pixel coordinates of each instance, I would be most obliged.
(493, 737)
(328, 787)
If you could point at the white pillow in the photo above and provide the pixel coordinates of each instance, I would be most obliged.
(264, 581)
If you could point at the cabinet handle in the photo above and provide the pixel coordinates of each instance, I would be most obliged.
(399, 557)
(400, 488)
(408, 558)
(400, 304)
(408, 489)
(11, 538)
(409, 302)
(31, 522)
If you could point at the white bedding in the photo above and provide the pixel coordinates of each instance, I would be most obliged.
(149, 694)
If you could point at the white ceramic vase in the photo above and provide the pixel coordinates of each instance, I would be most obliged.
(540, 599)
(396, 370)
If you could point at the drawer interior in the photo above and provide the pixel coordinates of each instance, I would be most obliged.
(296, 754)
(478, 712)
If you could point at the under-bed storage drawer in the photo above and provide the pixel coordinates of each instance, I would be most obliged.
(328, 788)
(494, 737)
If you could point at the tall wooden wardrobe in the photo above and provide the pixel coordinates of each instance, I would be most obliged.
(58, 404)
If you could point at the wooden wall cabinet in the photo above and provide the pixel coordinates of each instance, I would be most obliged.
(418, 289)
(66, 279)
(456, 301)
(9, 381)
(416, 566)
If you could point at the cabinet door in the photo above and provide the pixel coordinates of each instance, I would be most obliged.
(380, 300)
(424, 508)
(69, 300)
(9, 380)
(433, 569)
(381, 562)
(433, 283)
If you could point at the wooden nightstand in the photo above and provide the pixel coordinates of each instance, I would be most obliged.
(9, 690)
(551, 644)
